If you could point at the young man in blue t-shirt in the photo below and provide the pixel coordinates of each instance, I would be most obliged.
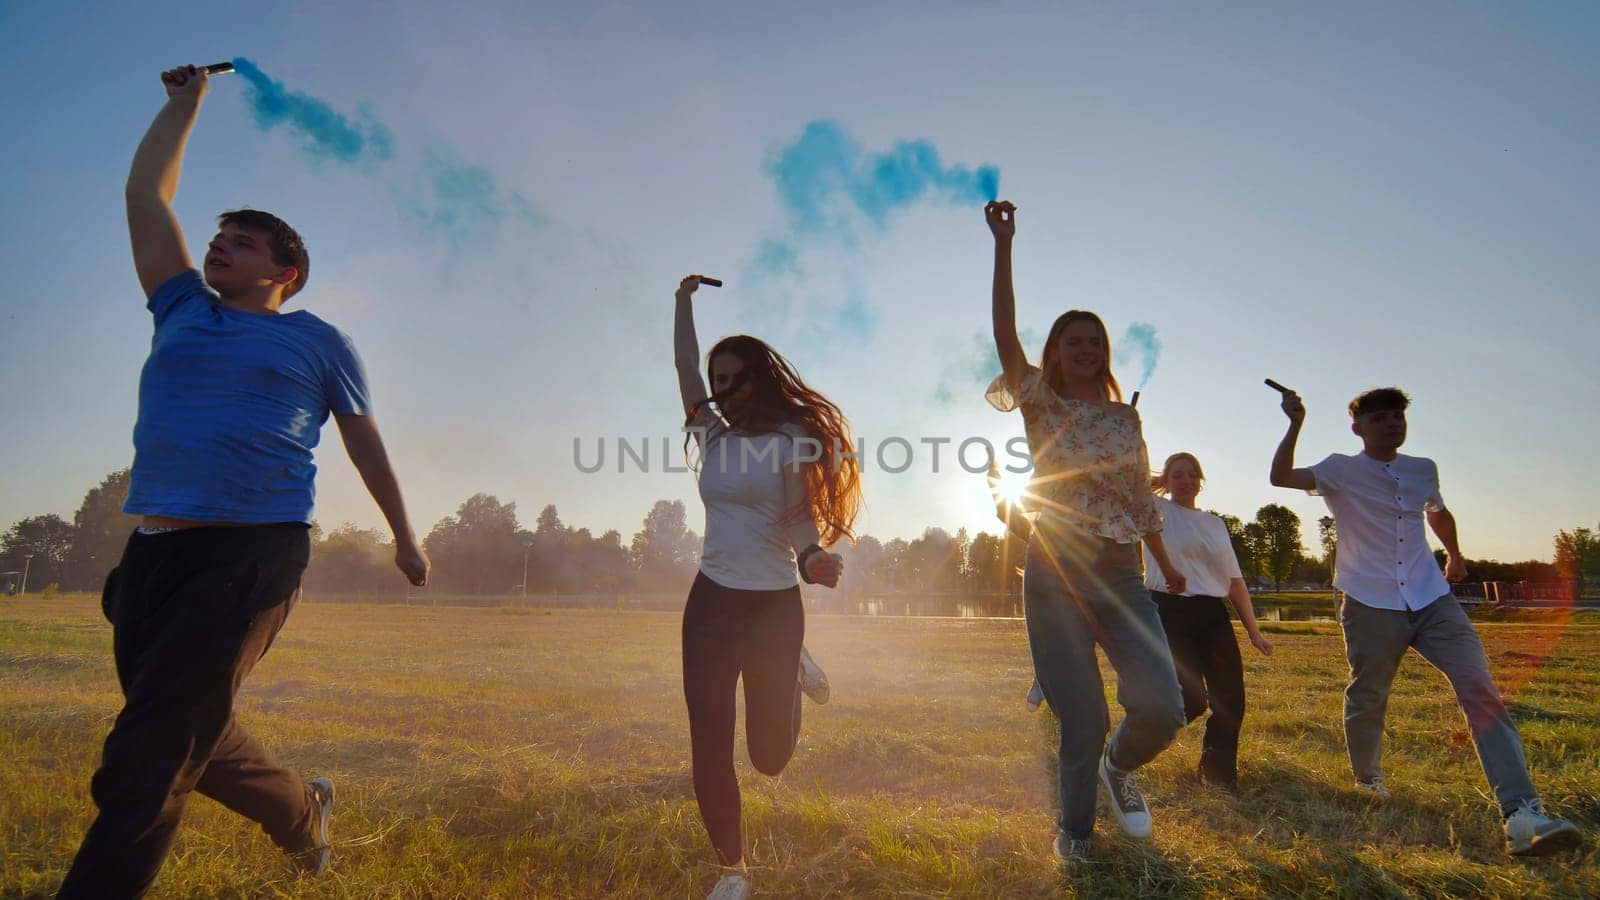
(231, 404)
(1396, 599)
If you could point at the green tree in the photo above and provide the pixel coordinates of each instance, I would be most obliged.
(47, 539)
(1328, 534)
(353, 561)
(479, 550)
(930, 563)
(101, 530)
(1280, 541)
(555, 559)
(665, 552)
(985, 566)
(1311, 569)
(1577, 554)
(1246, 540)
(865, 565)
(604, 566)
(549, 521)
(896, 570)
(957, 572)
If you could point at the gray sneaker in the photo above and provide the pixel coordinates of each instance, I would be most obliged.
(314, 861)
(1374, 789)
(1035, 696)
(1071, 852)
(813, 681)
(1127, 804)
(730, 887)
(1529, 832)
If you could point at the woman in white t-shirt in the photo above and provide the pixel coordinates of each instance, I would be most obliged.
(780, 482)
(1204, 648)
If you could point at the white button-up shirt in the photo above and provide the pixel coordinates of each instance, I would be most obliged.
(1383, 560)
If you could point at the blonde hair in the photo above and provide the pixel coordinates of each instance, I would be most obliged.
(1158, 483)
(1110, 390)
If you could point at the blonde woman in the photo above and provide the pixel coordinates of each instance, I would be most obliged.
(1082, 587)
(1204, 649)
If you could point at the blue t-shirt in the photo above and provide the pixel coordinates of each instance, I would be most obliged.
(230, 406)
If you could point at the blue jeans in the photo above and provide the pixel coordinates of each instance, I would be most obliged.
(1080, 590)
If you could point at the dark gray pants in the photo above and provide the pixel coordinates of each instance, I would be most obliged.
(1080, 590)
(728, 635)
(1375, 640)
(1211, 674)
(192, 612)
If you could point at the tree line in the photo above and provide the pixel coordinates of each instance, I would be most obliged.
(484, 549)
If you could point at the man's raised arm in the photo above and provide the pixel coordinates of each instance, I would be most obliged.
(158, 250)
(1283, 473)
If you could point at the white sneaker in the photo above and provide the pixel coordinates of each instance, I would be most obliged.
(1373, 788)
(1529, 832)
(1127, 804)
(1035, 696)
(730, 887)
(813, 681)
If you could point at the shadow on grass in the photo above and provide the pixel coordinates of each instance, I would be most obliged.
(1527, 712)
(1120, 867)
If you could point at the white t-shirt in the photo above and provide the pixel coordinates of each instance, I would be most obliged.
(758, 516)
(1383, 560)
(1198, 545)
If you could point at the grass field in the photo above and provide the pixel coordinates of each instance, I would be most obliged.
(510, 753)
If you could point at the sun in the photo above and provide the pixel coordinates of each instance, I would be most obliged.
(1013, 486)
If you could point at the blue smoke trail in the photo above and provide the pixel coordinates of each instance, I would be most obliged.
(824, 175)
(1140, 340)
(827, 186)
(446, 196)
(326, 133)
(459, 201)
(968, 371)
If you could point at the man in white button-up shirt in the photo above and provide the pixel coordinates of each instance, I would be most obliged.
(1396, 598)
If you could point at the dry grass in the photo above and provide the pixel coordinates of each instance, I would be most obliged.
(496, 752)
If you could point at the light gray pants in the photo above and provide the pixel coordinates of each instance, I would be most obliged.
(1376, 639)
(1080, 590)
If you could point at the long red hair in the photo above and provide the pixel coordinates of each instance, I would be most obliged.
(779, 397)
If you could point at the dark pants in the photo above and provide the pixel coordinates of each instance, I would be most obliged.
(1210, 673)
(1080, 590)
(191, 613)
(728, 633)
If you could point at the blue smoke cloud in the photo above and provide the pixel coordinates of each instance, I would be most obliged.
(459, 201)
(326, 133)
(447, 197)
(824, 177)
(828, 187)
(1140, 342)
(967, 372)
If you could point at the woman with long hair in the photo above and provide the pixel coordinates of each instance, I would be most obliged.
(1082, 585)
(780, 481)
(1204, 649)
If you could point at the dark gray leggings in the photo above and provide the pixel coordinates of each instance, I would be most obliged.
(729, 633)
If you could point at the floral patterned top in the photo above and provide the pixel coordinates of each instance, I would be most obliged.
(1090, 465)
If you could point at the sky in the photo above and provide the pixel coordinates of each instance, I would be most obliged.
(1338, 197)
